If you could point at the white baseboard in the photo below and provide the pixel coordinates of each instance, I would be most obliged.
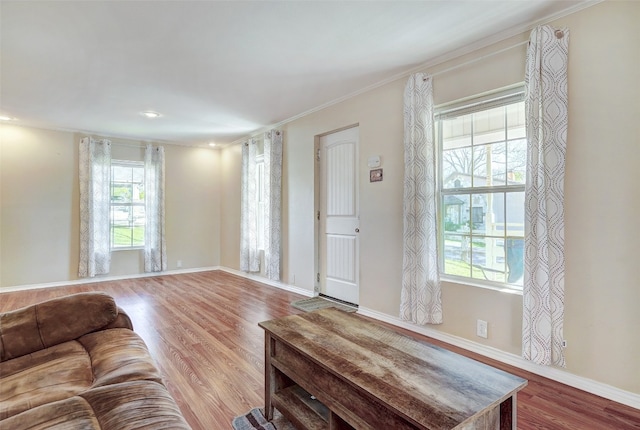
(263, 280)
(281, 285)
(598, 388)
(594, 387)
(102, 279)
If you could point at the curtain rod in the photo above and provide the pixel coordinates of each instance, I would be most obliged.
(127, 145)
(253, 139)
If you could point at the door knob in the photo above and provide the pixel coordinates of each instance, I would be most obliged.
(357, 230)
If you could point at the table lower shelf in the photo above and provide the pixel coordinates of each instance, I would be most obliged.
(304, 411)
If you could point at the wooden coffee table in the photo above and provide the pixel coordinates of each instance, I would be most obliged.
(331, 369)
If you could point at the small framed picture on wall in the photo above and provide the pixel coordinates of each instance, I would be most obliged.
(375, 175)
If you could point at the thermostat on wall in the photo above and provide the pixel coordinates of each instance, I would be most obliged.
(374, 161)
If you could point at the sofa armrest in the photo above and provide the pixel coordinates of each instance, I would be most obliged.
(122, 321)
(55, 321)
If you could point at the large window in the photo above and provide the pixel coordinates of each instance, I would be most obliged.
(127, 204)
(482, 162)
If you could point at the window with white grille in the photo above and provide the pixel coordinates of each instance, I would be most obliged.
(482, 174)
(127, 204)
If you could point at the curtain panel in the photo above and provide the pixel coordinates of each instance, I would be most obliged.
(546, 106)
(155, 245)
(421, 293)
(249, 255)
(95, 192)
(273, 203)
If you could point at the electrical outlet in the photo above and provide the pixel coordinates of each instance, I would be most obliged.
(564, 343)
(482, 329)
(179, 264)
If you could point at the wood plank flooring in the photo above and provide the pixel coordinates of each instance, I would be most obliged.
(201, 329)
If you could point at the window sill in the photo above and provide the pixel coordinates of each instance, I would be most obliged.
(133, 248)
(480, 284)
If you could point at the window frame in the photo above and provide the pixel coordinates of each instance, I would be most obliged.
(131, 205)
(469, 105)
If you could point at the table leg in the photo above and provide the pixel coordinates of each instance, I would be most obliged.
(508, 414)
(269, 377)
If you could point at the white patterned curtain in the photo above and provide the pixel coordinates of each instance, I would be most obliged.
(421, 294)
(272, 199)
(155, 246)
(95, 184)
(546, 105)
(249, 256)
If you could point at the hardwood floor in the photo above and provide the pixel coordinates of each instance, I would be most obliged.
(202, 331)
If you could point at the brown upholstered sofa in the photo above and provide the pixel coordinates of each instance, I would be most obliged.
(75, 363)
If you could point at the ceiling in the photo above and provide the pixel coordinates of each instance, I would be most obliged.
(218, 71)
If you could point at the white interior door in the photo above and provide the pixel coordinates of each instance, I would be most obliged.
(339, 217)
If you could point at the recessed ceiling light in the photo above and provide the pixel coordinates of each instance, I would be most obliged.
(150, 114)
(212, 144)
(6, 118)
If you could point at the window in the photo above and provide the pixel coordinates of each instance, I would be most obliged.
(482, 173)
(127, 204)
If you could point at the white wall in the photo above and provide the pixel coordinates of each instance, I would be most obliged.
(230, 207)
(603, 195)
(38, 194)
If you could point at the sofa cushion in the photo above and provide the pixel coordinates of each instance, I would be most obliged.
(62, 371)
(135, 405)
(48, 375)
(73, 413)
(49, 323)
(130, 405)
(119, 355)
